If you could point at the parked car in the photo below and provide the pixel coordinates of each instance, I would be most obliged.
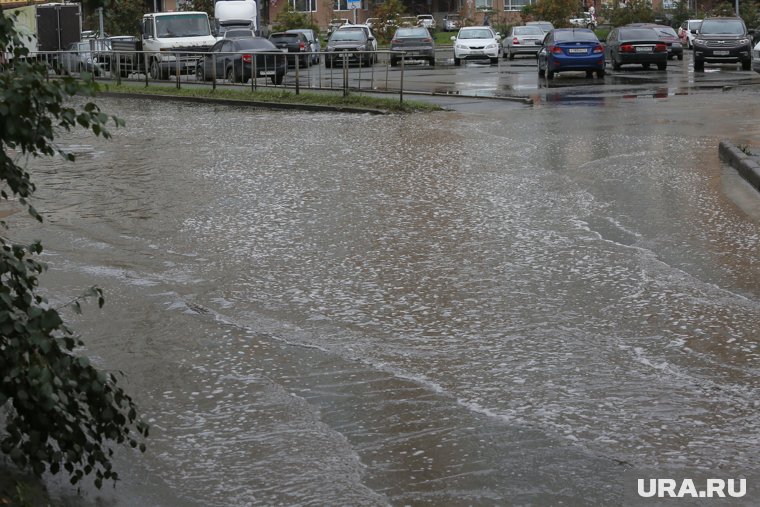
(545, 26)
(476, 43)
(416, 42)
(756, 57)
(236, 59)
(90, 55)
(687, 30)
(314, 43)
(451, 22)
(336, 23)
(667, 35)
(372, 23)
(366, 29)
(639, 45)
(523, 40)
(296, 45)
(408, 21)
(426, 20)
(585, 20)
(571, 49)
(354, 44)
(722, 40)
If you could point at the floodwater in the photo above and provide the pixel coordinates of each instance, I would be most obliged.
(530, 306)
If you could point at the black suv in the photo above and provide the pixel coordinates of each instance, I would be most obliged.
(723, 40)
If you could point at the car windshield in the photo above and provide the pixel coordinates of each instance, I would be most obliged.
(695, 25)
(575, 35)
(722, 27)
(475, 34)
(182, 25)
(546, 27)
(411, 32)
(528, 30)
(255, 43)
(637, 34)
(348, 35)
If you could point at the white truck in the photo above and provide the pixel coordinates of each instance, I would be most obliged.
(230, 14)
(173, 42)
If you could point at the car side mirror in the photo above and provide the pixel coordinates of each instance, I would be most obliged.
(453, 38)
(371, 38)
(498, 37)
(694, 32)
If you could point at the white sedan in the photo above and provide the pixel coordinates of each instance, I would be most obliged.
(476, 43)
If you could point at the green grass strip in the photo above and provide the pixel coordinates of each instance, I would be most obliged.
(354, 99)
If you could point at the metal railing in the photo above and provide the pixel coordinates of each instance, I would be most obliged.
(341, 71)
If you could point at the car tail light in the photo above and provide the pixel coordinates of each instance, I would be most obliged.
(247, 58)
(394, 41)
(627, 48)
(557, 50)
(598, 49)
(302, 46)
(515, 40)
(659, 48)
(427, 40)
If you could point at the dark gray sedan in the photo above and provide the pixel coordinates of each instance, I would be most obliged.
(415, 42)
(635, 45)
(523, 40)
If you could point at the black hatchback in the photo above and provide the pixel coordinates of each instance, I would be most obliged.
(722, 40)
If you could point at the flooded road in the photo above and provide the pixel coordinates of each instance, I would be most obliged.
(528, 306)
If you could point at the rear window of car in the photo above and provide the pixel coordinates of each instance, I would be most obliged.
(665, 31)
(575, 35)
(348, 35)
(722, 27)
(411, 32)
(255, 43)
(637, 33)
(290, 37)
(528, 30)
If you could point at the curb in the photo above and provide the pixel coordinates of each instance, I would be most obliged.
(746, 165)
(248, 103)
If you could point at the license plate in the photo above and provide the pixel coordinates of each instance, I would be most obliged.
(575, 51)
(643, 49)
(476, 52)
(720, 53)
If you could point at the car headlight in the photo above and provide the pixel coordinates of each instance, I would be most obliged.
(461, 46)
(743, 42)
(492, 46)
(699, 41)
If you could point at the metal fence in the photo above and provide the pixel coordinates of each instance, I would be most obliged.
(343, 71)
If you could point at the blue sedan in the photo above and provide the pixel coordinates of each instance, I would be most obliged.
(571, 49)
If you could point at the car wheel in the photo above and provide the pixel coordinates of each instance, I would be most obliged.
(589, 74)
(199, 74)
(457, 61)
(600, 73)
(646, 66)
(277, 78)
(155, 71)
(328, 63)
(431, 61)
(746, 64)
(699, 64)
(615, 65)
(231, 75)
(394, 62)
(495, 61)
(590, 26)
(680, 57)
(662, 66)
(549, 74)
(511, 56)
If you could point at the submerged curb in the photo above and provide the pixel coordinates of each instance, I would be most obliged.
(747, 165)
(248, 103)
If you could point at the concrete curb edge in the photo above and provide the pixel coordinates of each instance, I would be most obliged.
(248, 103)
(746, 165)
